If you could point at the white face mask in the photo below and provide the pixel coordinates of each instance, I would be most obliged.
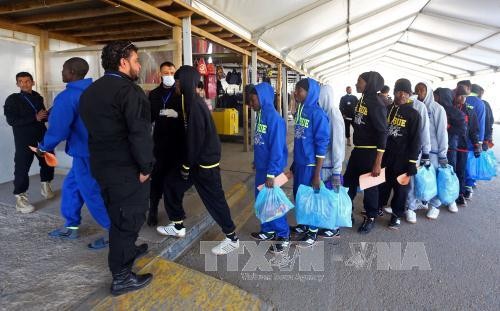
(168, 81)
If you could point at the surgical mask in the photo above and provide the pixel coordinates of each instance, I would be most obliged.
(168, 81)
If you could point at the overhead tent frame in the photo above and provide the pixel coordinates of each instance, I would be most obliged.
(431, 26)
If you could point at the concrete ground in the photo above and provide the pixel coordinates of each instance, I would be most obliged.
(452, 263)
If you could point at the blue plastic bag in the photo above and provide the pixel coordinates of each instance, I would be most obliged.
(447, 184)
(315, 208)
(492, 160)
(271, 204)
(479, 168)
(425, 183)
(342, 207)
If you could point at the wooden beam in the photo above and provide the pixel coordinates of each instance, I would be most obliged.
(131, 36)
(177, 37)
(22, 6)
(181, 14)
(98, 22)
(213, 28)
(246, 130)
(199, 22)
(43, 47)
(234, 40)
(138, 27)
(225, 35)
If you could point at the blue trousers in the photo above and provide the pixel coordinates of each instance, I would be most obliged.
(279, 225)
(80, 187)
(303, 175)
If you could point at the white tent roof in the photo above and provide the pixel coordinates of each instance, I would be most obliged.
(438, 39)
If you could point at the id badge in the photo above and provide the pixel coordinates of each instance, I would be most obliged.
(163, 112)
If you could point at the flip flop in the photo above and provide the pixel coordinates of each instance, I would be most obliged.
(100, 243)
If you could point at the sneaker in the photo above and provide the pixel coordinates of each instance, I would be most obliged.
(226, 246)
(468, 194)
(433, 213)
(22, 204)
(367, 225)
(298, 229)
(329, 233)
(263, 236)
(388, 209)
(461, 201)
(282, 245)
(380, 212)
(170, 230)
(65, 233)
(395, 222)
(411, 216)
(423, 205)
(453, 207)
(309, 239)
(46, 190)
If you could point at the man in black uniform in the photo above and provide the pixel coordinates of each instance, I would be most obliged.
(370, 135)
(402, 150)
(347, 104)
(201, 162)
(169, 145)
(117, 115)
(27, 115)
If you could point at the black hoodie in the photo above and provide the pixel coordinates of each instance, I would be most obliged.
(472, 128)
(203, 147)
(456, 120)
(370, 115)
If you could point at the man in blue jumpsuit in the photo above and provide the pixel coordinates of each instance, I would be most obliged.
(270, 158)
(65, 124)
(312, 137)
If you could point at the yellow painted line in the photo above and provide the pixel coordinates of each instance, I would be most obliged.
(175, 287)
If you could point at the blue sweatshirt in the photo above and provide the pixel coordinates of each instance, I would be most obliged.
(312, 129)
(65, 122)
(477, 106)
(270, 151)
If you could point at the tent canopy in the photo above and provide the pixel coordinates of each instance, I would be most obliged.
(439, 39)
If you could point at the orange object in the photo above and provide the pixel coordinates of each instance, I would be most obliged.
(279, 181)
(367, 180)
(403, 179)
(50, 158)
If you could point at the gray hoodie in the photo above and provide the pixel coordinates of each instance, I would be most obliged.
(438, 124)
(336, 150)
(424, 125)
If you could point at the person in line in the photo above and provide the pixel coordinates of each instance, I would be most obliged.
(27, 115)
(477, 105)
(331, 172)
(402, 150)
(168, 135)
(489, 120)
(201, 162)
(200, 89)
(79, 186)
(117, 115)
(346, 105)
(270, 159)
(438, 124)
(312, 137)
(370, 136)
(470, 137)
(384, 95)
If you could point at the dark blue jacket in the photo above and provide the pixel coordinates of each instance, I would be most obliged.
(270, 151)
(65, 122)
(312, 129)
(478, 106)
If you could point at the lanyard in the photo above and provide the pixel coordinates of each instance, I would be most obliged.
(165, 100)
(29, 102)
(389, 121)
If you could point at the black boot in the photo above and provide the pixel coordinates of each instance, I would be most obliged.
(153, 212)
(127, 281)
(141, 250)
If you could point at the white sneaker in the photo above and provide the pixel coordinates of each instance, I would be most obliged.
(388, 209)
(422, 205)
(453, 207)
(22, 204)
(46, 190)
(170, 230)
(433, 213)
(226, 246)
(411, 216)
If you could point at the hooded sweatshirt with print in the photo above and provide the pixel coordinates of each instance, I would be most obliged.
(312, 129)
(270, 151)
(438, 124)
(370, 124)
(336, 149)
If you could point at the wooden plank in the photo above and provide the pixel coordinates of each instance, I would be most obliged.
(22, 6)
(181, 14)
(213, 28)
(131, 36)
(134, 27)
(246, 130)
(234, 40)
(98, 22)
(177, 38)
(199, 22)
(225, 35)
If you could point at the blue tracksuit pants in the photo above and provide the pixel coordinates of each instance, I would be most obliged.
(80, 187)
(279, 225)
